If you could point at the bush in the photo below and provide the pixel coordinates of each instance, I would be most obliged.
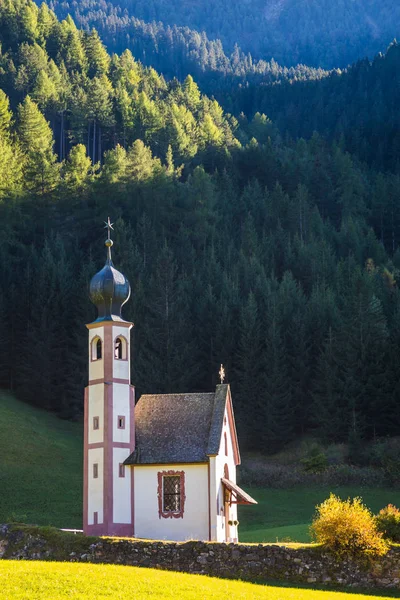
(348, 529)
(388, 523)
(315, 461)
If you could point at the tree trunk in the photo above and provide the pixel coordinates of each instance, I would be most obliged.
(94, 142)
(61, 153)
(88, 140)
(99, 144)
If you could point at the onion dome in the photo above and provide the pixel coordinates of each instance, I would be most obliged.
(109, 289)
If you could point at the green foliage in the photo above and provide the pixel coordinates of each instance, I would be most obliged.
(276, 257)
(319, 34)
(388, 523)
(347, 528)
(315, 461)
(35, 135)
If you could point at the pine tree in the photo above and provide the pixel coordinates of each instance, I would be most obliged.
(97, 57)
(40, 169)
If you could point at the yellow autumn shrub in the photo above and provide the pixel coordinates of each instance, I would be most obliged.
(348, 529)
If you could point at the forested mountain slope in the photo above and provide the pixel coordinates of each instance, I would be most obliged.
(318, 33)
(277, 258)
(178, 51)
(357, 107)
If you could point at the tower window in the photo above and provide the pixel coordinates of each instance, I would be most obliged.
(97, 349)
(121, 470)
(121, 422)
(95, 471)
(226, 444)
(95, 422)
(120, 348)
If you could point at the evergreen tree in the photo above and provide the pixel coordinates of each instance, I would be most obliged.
(40, 168)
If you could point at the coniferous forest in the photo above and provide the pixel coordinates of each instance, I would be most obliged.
(265, 238)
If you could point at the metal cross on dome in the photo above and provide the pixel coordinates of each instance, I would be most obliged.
(222, 373)
(109, 226)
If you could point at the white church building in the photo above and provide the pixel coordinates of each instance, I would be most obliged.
(164, 468)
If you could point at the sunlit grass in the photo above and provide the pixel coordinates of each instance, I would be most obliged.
(41, 481)
(22, 580)
(283, 515)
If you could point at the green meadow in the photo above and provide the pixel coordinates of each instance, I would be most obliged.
(285, 515)
(24, 580)
(41, 481)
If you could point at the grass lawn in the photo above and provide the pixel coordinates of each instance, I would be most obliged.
(40, 466)
(24, 580)
(283, 515)
(41, 481)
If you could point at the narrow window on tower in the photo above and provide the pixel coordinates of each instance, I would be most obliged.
(120, 348)
(95, 422)
(97, 350)
(95, 471)
(121, 470)
(226, 444)
(121, 422)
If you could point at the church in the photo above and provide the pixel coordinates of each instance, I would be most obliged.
(165, 467)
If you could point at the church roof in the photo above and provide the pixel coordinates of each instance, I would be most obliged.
(179, 428)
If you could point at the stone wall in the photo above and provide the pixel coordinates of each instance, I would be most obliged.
(303, 564)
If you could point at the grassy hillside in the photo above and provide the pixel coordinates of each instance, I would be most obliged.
(41, 481)
(40, 466)
(84, 581)
(283, 515)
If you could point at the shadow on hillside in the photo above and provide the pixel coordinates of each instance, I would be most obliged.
(366, 592)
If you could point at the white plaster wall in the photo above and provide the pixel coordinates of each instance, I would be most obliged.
(96, 409)
(122, 502)
(216, 531)
(121, 368)
(218, 500)
(95, 486)
(121, 407)
(193, 525)
(96, 367)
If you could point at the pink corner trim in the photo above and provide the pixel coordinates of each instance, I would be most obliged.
(232, 427)
(209, 501)
(85, 460)
(170, 514)
(109, 380)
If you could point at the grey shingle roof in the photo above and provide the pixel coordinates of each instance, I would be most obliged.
(178, 428)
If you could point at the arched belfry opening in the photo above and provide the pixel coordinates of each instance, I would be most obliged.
(97, 348)
(120, 348)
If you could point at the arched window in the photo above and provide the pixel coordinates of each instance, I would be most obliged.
(97, 349)
(226, 444)
(120, 348)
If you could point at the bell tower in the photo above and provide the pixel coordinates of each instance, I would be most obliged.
(109, 427)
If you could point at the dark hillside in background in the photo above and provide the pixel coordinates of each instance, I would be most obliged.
(359, 108)
(179, 51)
(356, 107)
(276, 256)
(318, 33)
